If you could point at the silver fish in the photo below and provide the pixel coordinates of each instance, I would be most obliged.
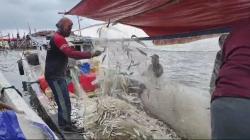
(104, 58)
(142, 52)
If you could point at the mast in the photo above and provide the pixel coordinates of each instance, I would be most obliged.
(79, 25)
(29, 28)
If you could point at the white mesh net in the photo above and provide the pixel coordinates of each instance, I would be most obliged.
(118, 112)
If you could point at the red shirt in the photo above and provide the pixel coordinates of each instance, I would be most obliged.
(57, 57)
(62, 44)
(234, 75)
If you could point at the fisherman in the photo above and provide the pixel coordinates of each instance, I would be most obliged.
(55, 71)
(230, 104)
(217, 63)
(154, 71)
(155, 67)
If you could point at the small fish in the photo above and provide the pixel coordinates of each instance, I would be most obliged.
(105, 48)
(136, 64)
(143, 44)
(103, 58)
(131, 62)
(142, 52)
(132, 65)
(127, 50)
(128, 68)
(125, 73)
(128, 54)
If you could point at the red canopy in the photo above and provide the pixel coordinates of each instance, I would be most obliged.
(166, 17)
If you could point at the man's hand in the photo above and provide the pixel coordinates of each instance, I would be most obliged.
(96, 53)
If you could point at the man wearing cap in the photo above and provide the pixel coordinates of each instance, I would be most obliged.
(56, 67)
(154, 71)
(155, 67)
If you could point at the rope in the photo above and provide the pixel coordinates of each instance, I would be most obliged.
(184, 35)
(13, 87)
(174, 36)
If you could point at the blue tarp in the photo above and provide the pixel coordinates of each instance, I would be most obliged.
(9, 126)
(46, 130)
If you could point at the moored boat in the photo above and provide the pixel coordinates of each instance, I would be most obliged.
(26, 123)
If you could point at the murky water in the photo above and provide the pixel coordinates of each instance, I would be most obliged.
(8, 66)
(189, 68)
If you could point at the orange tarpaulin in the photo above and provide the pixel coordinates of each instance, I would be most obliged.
(167, 17)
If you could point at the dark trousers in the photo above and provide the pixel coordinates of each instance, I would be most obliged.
(230, 118)
(61, 95)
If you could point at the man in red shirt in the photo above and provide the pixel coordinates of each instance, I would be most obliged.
(230, 105)
(217, 63)
(55, 71)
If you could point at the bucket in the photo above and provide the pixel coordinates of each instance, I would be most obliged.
(86, 82)
(71, 88)
(43, 83)
(85, 68)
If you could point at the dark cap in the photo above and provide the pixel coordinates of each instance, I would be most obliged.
(155, 56)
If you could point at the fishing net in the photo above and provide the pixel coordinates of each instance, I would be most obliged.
(126, 76)
(126, 64)
(132, 89)
(117, 112)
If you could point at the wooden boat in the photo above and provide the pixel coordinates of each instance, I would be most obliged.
(43, 106)
(31, 125)
(32, 65)
(33, 69)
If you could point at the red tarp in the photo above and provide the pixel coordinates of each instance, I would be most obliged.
(166, 17)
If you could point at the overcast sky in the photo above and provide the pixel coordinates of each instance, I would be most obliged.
(40, 14)
(43, 14)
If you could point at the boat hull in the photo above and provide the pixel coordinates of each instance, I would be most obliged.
(186, 112)
(27, 119)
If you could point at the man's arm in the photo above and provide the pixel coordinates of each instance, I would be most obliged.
(62, 44)
(73, 53)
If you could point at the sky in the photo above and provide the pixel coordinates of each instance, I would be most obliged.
(39, 14)
(42, 15)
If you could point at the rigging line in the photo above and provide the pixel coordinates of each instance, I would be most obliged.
(94, 25)
(174, 36)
